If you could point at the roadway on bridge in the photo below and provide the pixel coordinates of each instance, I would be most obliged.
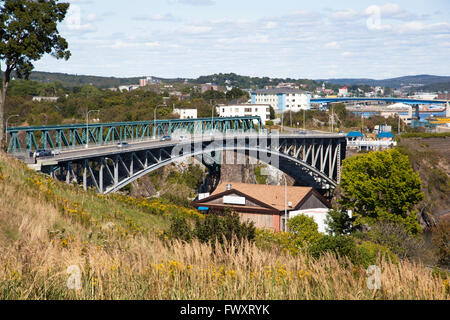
(105, 150)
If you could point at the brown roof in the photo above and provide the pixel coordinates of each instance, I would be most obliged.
(271, 195)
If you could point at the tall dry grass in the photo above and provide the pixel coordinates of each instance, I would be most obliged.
(34, 262)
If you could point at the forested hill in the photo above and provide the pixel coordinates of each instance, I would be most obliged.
(74, 80)
(221, 79)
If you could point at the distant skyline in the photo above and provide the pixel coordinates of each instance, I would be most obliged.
(284, 38)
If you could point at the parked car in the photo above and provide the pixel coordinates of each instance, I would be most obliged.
(165, 138)
(123, 145)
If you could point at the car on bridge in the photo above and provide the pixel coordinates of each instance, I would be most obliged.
(123, 144)
(56, 152)
(42, 153)
(165, 138)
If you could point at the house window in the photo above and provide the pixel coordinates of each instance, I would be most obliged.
(248, 110)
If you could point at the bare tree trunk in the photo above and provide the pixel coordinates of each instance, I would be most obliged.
(5, 84)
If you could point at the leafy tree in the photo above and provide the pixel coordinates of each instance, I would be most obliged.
(272, 113)
(28, 30)
(381, 186)
(338, 222)
(305, 229)
(236, 93)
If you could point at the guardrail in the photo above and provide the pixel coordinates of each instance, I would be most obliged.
(371, 143)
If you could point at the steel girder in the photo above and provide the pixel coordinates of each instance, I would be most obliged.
(314, 161)
(69, 136)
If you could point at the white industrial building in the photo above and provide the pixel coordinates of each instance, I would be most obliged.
(186, 113)
(245, 110)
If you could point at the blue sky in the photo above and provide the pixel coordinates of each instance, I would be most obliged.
(283, 38)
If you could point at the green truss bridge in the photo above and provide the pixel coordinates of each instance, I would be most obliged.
(60, 137)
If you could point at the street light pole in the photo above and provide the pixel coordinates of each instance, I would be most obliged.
(6, 127)
(304, 120)
(87, 126)
(285, 203)
(154, 119)
(212, 119)
(332, 118)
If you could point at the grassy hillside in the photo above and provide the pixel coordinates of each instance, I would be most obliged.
(48, 228)
(429, 155)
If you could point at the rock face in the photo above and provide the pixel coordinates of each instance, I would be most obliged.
(158, 183)
(245, 173)
(234, 172)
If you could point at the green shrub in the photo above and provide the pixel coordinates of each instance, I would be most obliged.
(341, 245)
(364, 253)
(305, 230)
(269, 240)
(367, 253)
(180, 228)
(227, 226)
(211, 227)
(338, 222)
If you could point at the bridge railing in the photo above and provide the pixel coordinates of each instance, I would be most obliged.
(371, 143)
(64, 137)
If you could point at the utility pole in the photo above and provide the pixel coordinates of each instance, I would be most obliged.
(362, 123)
(154, 119)
(285, 203)
(304, 120)
(332, 118)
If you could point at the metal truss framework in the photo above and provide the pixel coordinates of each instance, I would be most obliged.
(312, 161)
(70, 136)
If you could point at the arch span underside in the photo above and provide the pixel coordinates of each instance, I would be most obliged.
(311, 162)
(285, 166)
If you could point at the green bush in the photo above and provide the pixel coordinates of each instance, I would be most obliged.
(212, 227)
(367, 253)
(305, 230)
(364, 253)
(227, 226)
(180, 228)
(269, 240)
(341, 245)
(338, 222)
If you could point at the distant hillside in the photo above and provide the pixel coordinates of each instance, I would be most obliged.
(421, 82)
(417, 81)
(73, 80)
(247, 82)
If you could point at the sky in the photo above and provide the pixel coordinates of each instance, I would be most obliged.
(276, 38)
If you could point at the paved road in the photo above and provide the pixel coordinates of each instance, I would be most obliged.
(105, 150)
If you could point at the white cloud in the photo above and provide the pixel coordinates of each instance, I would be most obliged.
(419, 27)
(196, 29)
(271, 25)
(155, 17)
(194, 2)
(333, 45)
(345, 14)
